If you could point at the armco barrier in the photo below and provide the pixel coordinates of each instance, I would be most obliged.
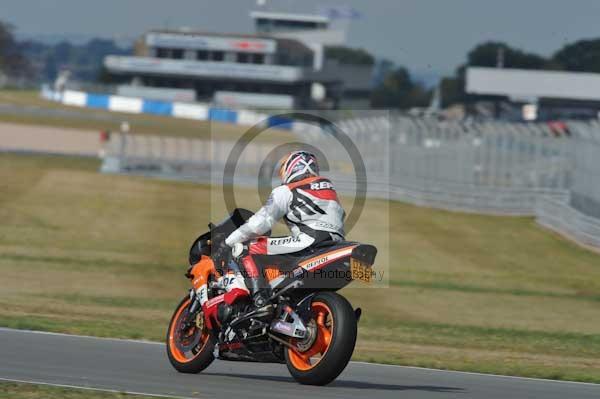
(559, 216)
(157, 107)
(222, 115)
(197, 111)
(125, 104)
(74, 98)
(190, 111)
(97, 101)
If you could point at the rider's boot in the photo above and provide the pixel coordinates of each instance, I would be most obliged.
(259, 292)
(258, 286)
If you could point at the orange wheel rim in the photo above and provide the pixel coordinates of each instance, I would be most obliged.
(310, 358)
(178, 354)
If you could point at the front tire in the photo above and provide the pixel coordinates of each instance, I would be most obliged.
(331, 350)
(190, 350)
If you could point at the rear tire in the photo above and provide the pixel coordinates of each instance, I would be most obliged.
(337, 352)
(191, 362)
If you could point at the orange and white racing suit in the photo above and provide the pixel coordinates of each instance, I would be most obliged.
(312, 212)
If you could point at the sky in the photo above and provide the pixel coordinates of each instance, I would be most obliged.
(430, 37)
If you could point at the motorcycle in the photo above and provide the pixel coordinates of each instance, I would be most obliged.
(306, 324)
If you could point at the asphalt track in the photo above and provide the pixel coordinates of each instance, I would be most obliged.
(142, 367)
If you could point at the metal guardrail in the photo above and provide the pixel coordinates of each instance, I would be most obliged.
(566, 220)
(552, 172)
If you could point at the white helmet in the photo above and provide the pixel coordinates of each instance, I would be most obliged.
(297, 165)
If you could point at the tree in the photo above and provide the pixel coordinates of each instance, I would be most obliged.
(399, 91)
(581, 56)
(6, 42)
(63, 52)
(347, 55)
(488, 54)
(12, 61)
(452, 90)
(50, 70)
(382, 69)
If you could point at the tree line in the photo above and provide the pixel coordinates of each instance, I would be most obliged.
(399, 90)
(394, 86)
(41, 62)
(12, 60)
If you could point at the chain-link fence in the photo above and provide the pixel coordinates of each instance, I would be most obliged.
(585, 190)
(492, 167)
(548, 170)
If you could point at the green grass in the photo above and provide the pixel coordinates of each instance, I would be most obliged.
(440, 285)
(96, 120)
(30, 391)
(104, 255)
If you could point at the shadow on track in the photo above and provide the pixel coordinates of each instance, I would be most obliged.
(346, 383)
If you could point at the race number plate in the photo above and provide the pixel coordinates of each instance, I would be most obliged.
(360, 270)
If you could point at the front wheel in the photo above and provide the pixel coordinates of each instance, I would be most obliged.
(189, 345)
(328, 347)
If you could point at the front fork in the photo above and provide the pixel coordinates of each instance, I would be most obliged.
(191, 319)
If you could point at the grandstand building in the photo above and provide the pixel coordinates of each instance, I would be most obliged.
(283, 65)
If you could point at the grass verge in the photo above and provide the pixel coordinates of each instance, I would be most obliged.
(15, 390)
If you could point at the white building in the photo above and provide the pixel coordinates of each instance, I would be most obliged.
(539, 94)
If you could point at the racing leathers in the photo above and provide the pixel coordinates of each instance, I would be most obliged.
(312, 212)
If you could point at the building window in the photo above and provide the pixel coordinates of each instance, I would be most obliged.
(295, 25)
(284, 59)
(217, 56)
(258, 58)
(202, 55)
(163, 52)
(263, 25)
(177, 54)
(243, 58)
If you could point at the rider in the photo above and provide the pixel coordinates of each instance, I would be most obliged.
(310, 207)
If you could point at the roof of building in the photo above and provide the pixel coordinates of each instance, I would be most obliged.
(531, 84)
(194, 32)
(285, 42)
(288, 16)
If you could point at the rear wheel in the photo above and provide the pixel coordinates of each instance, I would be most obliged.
(189, 345)
(326, 351)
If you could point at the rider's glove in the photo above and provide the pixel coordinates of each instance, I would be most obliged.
(237, 250)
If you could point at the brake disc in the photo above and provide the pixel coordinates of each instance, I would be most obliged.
(186, 341)
(311, 335)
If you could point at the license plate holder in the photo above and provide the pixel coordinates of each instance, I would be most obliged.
(360, 271)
